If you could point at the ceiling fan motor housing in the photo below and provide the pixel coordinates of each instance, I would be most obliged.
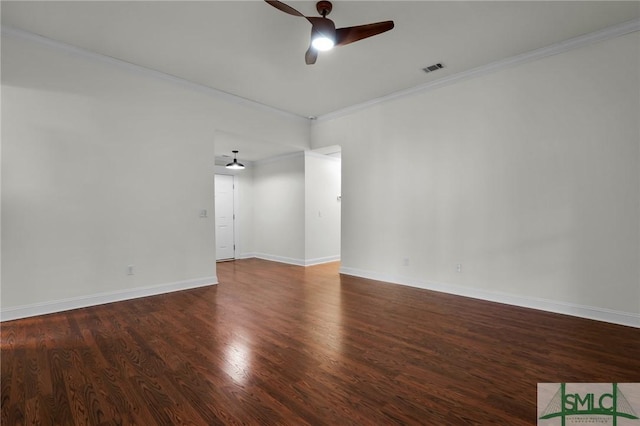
(324, 27)
(324, 7)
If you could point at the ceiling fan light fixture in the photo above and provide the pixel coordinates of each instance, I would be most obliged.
(322, 43)
(234, 165)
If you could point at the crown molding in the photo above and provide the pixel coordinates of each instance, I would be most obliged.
(275, 159)
(533, 55)
(149, 72)
(322, 156)
(296, 154)
(554, 49)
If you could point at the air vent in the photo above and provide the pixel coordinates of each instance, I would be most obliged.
(432, 68)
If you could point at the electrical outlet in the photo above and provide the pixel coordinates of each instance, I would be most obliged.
(130, 270)
(405, 261)
(459, 267)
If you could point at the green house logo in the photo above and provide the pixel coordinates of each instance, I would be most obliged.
(602, 403)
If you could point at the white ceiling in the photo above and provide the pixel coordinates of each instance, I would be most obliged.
(254, 51)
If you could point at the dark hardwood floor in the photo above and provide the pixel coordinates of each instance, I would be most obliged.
(280, 344)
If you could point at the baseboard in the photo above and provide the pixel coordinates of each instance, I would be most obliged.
(289, 260)
(321, 260)
(245, 255)
(281, 259)
(101, 298)
(582, 311)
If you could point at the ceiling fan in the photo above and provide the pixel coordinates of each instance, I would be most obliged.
(325, 35)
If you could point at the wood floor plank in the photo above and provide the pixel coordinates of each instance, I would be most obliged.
(277, 344)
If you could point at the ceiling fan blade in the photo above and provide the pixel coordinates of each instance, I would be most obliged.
(350, 34)
(311, 56)
(316, 20)
(290, 10)
(284, 7)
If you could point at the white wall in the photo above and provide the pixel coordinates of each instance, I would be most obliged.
(278, 206)
(288, 209)
(322, 208)
(104, 166)
(295, 207)
(528, 177)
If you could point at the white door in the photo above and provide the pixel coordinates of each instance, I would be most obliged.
(225, 248)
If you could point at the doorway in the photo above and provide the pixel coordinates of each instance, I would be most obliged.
(225, 217)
